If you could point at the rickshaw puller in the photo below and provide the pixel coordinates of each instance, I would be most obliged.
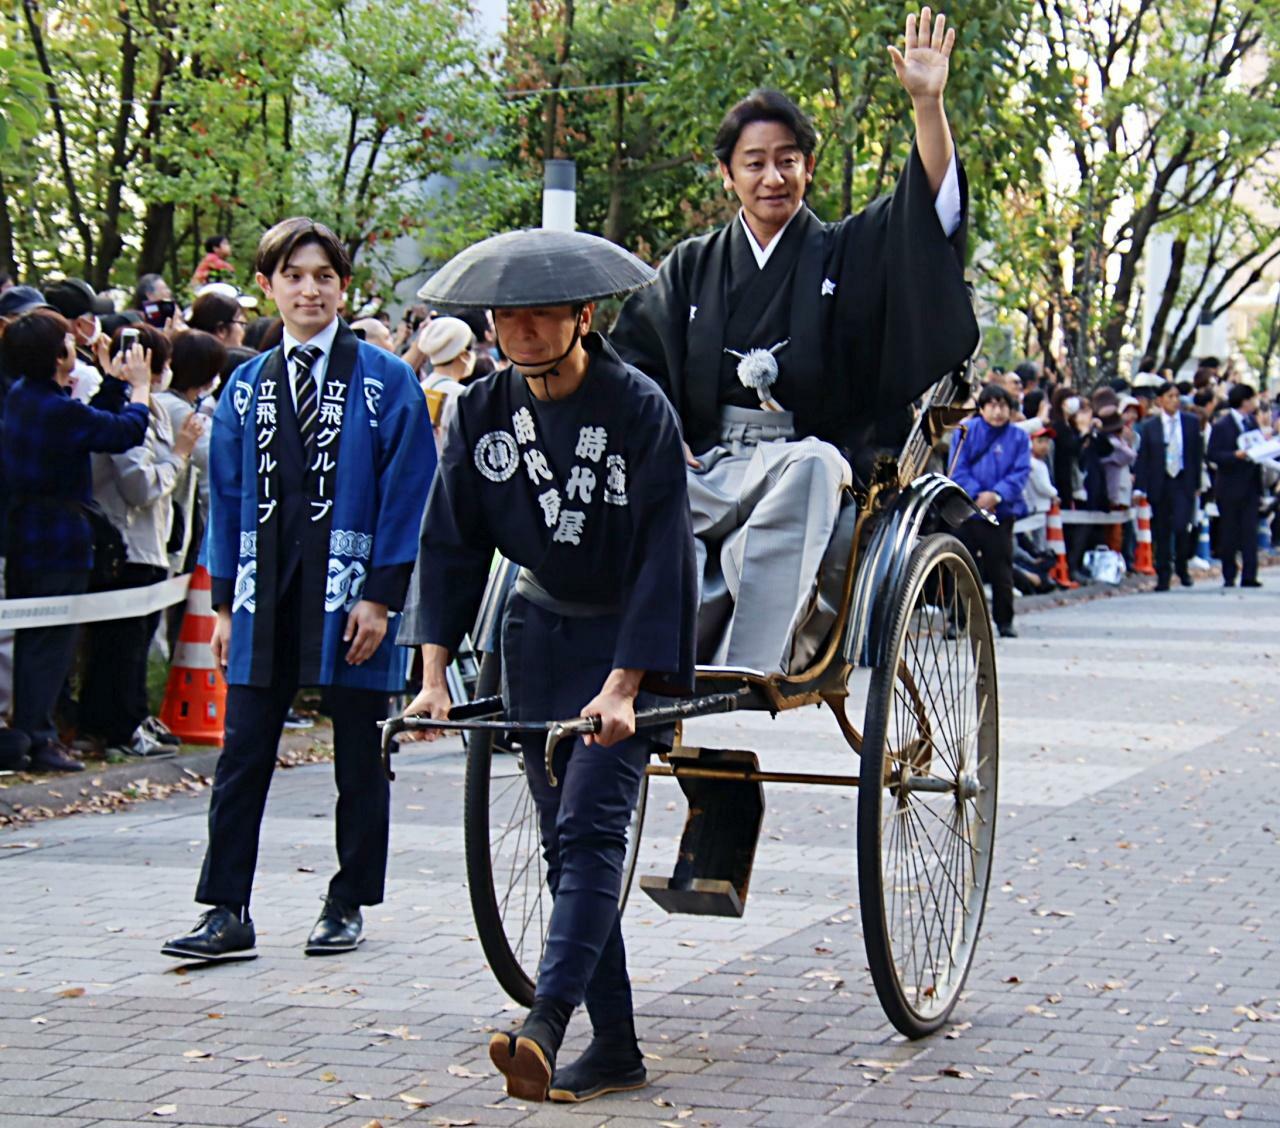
(570, 464)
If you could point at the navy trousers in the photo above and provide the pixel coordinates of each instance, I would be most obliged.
(255, 720)
(552, 666)
(1238, 533)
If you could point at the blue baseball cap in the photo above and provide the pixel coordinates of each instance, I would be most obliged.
(20, 299)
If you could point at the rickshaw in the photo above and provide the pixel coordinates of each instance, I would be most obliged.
(909, 606)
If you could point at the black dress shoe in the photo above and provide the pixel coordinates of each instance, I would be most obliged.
(1161, 585)
(612, 1063)
(339, 929)
(54, 757)
(1007, 631)
(527, 1059)
(1185, 579)
(14, 746)
(1251, 583)
(219, 934)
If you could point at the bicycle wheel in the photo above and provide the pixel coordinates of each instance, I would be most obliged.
(927, 796)
(505, 877)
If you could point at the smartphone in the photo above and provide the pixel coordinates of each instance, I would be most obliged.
(128, 338)
(157, 313)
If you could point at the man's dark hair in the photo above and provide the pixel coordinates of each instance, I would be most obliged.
(1031, 402)
(1203, 398)
(1209, 362)
(1167, 386)
(994, 393)
(1239, 394)
(278, 245)
(1029, 373)
(1185, 387)
(213, 311)
(142, 291)
(149, 337)
(1147, 364)
(211, 243)
(198, 358)
(33, 344)
(764, 105)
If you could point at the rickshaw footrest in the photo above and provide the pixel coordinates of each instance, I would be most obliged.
(700, 897)
(718, 847)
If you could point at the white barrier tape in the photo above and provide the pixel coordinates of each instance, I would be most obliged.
(66, 610)
(1034, 521)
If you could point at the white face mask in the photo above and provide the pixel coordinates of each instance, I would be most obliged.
(166, 378)
(97, 327)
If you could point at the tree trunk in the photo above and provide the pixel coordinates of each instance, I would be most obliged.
(77, 215)
(1177, 259)
(157, 239)
(110, 244)
(551, 122)
(8, 261)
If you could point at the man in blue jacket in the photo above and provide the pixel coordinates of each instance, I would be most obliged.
(991, 462)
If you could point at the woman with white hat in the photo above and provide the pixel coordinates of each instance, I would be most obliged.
(449, 346)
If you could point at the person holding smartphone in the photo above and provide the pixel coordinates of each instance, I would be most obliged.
(48, 438)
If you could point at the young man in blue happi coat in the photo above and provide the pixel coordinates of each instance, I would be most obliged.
(320, 460)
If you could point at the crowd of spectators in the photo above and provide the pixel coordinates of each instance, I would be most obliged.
(1182, 444)
(104, 480)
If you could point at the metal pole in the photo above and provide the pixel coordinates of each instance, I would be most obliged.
(559, 195)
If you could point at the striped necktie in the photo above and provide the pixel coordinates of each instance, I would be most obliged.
(303, 359)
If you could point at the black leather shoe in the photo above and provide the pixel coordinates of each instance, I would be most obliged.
(14, 746)
(219, 934)
(1007, 632)
(1185, 579)
(54, 757)
(1251, 583)
(612, 1063)
(339, 929)
(1161, 585)
(527, 1059)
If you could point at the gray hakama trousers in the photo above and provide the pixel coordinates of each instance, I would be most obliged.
(764, 507)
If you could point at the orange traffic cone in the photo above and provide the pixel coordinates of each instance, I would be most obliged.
(1143, 561)
(196, 696)
(1060, 573)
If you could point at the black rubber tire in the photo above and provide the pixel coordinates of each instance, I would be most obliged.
(941, 585)
(514, 961)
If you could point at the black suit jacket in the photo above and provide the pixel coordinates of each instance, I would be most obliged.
(1149, 473)
(1237, 481)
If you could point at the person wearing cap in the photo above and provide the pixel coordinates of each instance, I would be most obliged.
(569, 464)
(1237, 487)
(793, 348)
(991, 462)
(449, 345)
(76, 300)
(1170, 460)
(318, 483)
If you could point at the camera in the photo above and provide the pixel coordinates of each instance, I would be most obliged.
(157, 313)
(128, 338)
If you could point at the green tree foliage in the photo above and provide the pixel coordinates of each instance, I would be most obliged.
(170, 120)
(1149, 118)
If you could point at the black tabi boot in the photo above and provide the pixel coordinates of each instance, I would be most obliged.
(612, 1063)
(527, 1058)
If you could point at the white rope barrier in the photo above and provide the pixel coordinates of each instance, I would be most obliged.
(65, 610)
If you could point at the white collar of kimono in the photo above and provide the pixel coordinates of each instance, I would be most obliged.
(322, 340)
(763, 253)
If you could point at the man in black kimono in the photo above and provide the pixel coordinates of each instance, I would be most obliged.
(779, 327)
(570, 465)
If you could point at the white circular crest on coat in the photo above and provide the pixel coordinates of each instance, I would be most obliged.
(497, 457)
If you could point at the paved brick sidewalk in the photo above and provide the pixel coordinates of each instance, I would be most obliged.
(1127, 971)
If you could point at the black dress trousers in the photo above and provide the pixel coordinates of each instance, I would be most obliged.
(255, 721)
(992, 547)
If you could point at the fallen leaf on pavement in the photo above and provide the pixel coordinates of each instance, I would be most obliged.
(463, 1071)
(72, 992)
(164, 1110)
(414, 1101)
(196, 1054)
(328, 1076)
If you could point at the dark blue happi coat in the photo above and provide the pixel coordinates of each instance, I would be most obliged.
(587, 493)
(363, 499)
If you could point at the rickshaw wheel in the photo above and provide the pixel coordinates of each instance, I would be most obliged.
(506, 880)
(927, 792)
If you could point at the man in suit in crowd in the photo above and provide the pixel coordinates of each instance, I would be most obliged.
(1237, 487)
(1168, 472)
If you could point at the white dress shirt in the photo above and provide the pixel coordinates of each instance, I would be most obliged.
(946, 204)
(1172, 425)
(324, 342)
